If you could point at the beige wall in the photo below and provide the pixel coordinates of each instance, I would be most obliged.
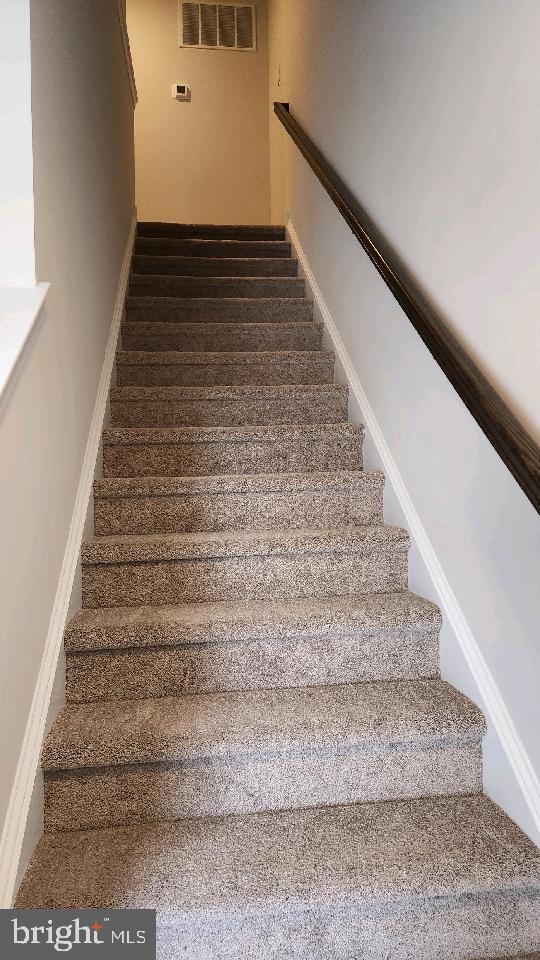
(428, 110)
(206, 161)
(82, 116)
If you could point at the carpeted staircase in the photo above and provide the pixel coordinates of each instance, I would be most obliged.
(257, 741)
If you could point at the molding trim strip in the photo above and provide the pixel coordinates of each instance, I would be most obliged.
(23, 784)
(127, 50)
(492, 701)
(20, 310)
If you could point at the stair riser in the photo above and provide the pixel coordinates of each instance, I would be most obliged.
(450, 928)
(118, 795)
(253, 577)
(170, 247)
(252, 511)
(330, 406)
(310, 370)
(215, 267)
(134, 674)
(210, 309)
(172, 286)
(222, 337)
(155, 228)
(209, 459)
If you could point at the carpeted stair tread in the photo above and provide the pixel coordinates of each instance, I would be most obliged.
(285, 861)
(266, 434)
(195, 451)
(361, 540)
(170, 309)
(134, 653)
(234, 725)
(223, 358)
(214, 266)
(144, 505)
(222, 336)
(250, 392)
(256, 564)
(228, 405)
(182, 368)
(200, 248)
(161, 228)
(225, 622)
(167, 285)
(345, 480)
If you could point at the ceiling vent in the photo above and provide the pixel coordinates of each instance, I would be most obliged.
(218, 26)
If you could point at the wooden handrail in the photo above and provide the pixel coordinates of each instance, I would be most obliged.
(511, 440)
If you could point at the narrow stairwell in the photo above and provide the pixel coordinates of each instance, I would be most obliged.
(257, 741)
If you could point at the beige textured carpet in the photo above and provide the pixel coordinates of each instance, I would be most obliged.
(257, 741)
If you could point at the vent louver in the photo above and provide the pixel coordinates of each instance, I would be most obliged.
(209, 36)
(244, 28)
(227, 34)
(224, 26)
(190, 24)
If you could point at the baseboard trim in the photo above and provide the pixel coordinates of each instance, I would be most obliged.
(15, 824)
(492, 701)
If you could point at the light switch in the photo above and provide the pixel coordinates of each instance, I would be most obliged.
(181, 91)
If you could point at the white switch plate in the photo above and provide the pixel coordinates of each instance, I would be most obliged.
(181, 91)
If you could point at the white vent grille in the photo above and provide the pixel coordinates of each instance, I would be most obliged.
(218, 26)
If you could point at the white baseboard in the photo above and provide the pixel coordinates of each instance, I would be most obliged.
(15, 824)
(492, 701)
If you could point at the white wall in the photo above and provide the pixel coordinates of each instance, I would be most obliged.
(428, 111)
(206, 161)
(17, 266)
(84, 194)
